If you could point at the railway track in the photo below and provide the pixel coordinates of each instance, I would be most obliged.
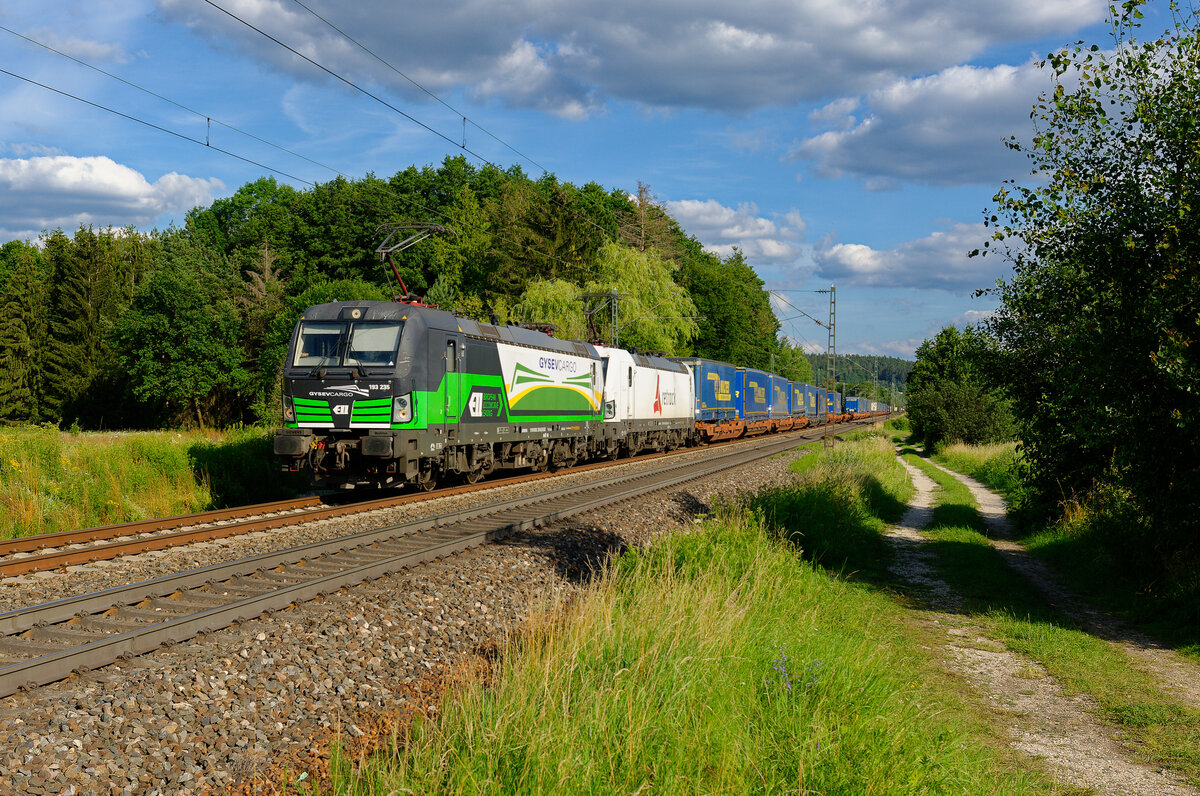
(45, 643)
(54, 551)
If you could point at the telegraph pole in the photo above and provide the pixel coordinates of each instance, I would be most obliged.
(830, 347)
(613, 300)
(830, 358)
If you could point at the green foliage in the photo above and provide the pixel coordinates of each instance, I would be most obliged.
(92, 279)
(1099, 318)
(56, 481)
(791, 363)
(23, 333)
(553, 301)
(951, 395)
(180, 343)
(240, 469)
(737, 323)
(656, 314)
(836, 510)
(996, 466)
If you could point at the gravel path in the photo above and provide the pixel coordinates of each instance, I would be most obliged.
(1174, 674)
(244, 709)
(1043, 721)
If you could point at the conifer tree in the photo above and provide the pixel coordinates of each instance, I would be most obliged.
(22, 338)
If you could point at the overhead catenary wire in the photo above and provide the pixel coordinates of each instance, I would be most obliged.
(466, 119)
(208, 118)
(347, 81)
(461, 145)
(154, 126)
(208, 145)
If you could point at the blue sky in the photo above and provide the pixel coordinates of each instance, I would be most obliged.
(834, 142)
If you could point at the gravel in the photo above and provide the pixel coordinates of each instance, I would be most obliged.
(244, 709)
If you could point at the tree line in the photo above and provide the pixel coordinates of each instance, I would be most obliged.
(1093, 358)
(114, 328)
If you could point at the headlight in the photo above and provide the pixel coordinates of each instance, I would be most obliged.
(402, 409)
(289, 413)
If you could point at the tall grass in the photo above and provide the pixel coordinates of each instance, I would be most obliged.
(835, 511)
(718, 661)
(52, 480)
(993, 465)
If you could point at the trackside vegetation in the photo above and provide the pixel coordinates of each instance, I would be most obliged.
(55, 481)
(722, 660)
(1092, 358)
(1088, 544)
(1097, 324)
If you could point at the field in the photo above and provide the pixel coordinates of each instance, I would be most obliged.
(52, 480)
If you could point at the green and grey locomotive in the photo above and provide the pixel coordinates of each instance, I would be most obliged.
(379, 394)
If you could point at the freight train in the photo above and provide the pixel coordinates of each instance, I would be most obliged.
(383, 394)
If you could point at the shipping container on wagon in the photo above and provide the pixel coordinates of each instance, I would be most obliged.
(797, 399)
(716, 389)
(755, 395)
(779, 396)
(853, 403)
(833, 403)
(818, 405)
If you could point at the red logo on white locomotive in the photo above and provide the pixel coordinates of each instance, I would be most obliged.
(657, 397)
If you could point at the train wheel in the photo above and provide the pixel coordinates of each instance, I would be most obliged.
(473, 476)
(427, 479)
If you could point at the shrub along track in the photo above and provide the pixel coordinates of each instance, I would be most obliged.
(48, 642)
(52, 551)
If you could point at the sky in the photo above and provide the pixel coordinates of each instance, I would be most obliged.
(853, 143)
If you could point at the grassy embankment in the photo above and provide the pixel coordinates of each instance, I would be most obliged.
(1012, 611)
(724, 661)
(52, 480)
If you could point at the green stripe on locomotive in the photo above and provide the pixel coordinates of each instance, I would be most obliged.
(312, 411)
(550, 403)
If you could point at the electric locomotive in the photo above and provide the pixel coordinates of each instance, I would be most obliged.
(378, 393)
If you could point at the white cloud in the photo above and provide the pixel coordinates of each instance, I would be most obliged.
(937, 262)
(47, 192)
(83, 49)
(567, 58)
(905, 349)
(972, 317)
(720, 229)
(944, 129)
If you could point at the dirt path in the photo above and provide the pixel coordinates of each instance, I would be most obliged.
(1174, 674)
(1044, 721)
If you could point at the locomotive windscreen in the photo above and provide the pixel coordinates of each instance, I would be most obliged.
(335, 343)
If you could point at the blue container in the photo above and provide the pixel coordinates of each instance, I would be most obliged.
(853, 403)
(779, 396)
(797, 399)
(717, 389)
(833, 403)
(755, 394)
